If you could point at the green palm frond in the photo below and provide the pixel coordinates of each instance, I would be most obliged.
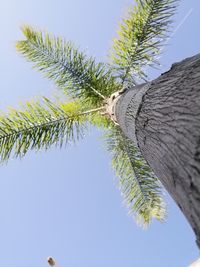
(40, 125)
(140, 188)
(140, 38)
(79, 76)
(100, 121)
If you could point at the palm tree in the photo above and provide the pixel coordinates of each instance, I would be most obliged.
(91, 92)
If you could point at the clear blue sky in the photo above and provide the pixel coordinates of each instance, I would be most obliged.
(66, 203)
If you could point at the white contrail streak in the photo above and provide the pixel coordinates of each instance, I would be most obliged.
(181, 23)
(176, 29)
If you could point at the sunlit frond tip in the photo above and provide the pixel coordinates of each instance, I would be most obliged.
(39, 125)
(140, 188)
(141, 36)
(77, 74)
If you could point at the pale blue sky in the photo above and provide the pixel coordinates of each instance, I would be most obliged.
(66, 203)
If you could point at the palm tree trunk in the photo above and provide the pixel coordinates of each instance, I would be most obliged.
(163, 117)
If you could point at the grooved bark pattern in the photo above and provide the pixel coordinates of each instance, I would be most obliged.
(168, 134)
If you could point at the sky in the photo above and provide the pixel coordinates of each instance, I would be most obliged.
(66, 203)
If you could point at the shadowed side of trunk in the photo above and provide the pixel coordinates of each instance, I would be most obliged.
(168, 134)
(164, 119)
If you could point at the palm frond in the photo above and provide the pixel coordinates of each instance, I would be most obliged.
(40, 125)
(141, 36)
(140, 188)
(79, 76)
(100, 121)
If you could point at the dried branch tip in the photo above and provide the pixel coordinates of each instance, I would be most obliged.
(51, 261)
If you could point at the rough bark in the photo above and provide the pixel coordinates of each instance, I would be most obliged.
(167, 129)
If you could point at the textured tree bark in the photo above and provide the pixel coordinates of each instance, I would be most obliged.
(165, 122)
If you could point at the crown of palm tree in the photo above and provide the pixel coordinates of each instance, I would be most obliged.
(88, 84)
